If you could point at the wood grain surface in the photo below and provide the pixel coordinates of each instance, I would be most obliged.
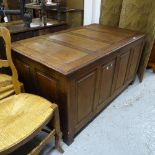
(71, 50)
(81, 69)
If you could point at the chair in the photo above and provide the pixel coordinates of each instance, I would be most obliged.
(22, 115)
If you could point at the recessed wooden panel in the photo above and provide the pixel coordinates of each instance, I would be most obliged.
(68, 56)
(77, 41)
(112, 30)
(52, 50)
(134, 61)
(124, 58)
(47, 86)
(106, 81)
(85, 95)
(25, 75)
(105, 37)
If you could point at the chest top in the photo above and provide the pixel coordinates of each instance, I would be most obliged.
(70, 50)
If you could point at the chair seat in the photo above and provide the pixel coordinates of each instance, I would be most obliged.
(5, 80)
(20, 117)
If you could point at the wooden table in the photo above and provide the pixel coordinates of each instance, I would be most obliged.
(82, 70)
(38, 6)
(19, 31)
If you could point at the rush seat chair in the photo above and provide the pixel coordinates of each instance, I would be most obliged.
(22, 115)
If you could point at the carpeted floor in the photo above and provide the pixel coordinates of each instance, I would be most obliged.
(126, 127)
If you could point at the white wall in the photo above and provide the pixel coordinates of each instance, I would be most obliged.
(91, 11)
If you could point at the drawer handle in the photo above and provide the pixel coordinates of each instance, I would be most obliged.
(110, 66)
(107, 67)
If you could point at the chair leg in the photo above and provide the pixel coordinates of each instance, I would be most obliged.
(56, 126)
(57, 142)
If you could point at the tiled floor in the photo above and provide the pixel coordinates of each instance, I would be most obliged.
(126, 127)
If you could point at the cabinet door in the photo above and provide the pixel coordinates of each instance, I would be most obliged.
(46, 86)
(136, 50)
(106, 81)
(122, 65)
(85, 95)
(25, 75)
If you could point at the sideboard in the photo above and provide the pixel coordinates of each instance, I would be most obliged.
(19, 31)
(82, 70)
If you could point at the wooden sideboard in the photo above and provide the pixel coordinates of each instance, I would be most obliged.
(82, 70)
(73, 17)
(151, 62)
(19, 31)
(71, 11)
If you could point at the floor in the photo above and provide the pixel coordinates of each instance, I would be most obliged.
(126, 127)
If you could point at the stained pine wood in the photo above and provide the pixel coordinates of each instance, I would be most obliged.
(81, 69)
(23, 116)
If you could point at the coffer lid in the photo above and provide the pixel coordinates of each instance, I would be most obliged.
(73, 49)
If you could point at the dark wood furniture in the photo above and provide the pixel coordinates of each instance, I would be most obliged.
(151, 62)
(81, 70)
(38, 9)
(19, 31)
(12, 6)
(73, 17)
(71, 11)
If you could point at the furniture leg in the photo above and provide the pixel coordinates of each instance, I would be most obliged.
(58, 134)
(69, 139)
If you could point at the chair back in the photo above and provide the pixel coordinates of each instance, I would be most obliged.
(5, 80)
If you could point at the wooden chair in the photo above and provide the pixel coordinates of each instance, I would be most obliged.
(22, 115)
